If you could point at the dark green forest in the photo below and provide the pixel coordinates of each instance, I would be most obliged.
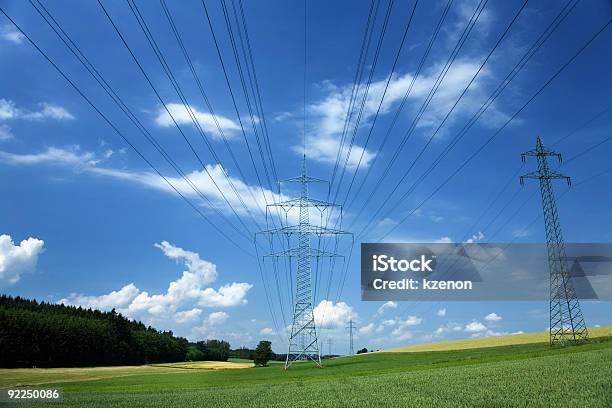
(52, 335)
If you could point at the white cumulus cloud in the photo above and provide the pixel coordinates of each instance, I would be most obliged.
(387, 306)
(493, 317)
(474, 326)
(367, 329)
(195, 265)
(182, 302)
(217, 318)
(330, 314)
(16, 260)
(267, 331)
(441, 313)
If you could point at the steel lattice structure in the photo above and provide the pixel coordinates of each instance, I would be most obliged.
(303, 341)
(566, 320)
(351, 328)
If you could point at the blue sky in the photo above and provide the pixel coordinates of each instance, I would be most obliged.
(85, 221)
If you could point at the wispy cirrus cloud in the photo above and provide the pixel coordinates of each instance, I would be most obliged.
(5, 133)
(10, 111)
(9, 33)
(210, 182)
(206, 120)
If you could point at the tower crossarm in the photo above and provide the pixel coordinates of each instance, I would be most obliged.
(540, 151)
(550, 175)
(303, 179)
(316, 230)
(300, 202)
(294, 252)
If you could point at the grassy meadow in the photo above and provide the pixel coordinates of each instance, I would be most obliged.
(496, 341)
(505, 376)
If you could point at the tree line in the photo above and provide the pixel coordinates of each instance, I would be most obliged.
(53, 335)
(219, 350)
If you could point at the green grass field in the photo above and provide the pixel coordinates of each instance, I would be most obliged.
(508, 376)
(513, 339)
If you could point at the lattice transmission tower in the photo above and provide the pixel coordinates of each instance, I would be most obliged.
(351, 328)
(566, 320)
(303, 242)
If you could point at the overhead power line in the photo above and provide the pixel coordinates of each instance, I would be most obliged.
(432, 92)
(400, 107)
(364, 97)
(121, 135)
(162, 61)
(196, 77)
(363, 52)
(496, 133)
(382, 99)
(483, 108)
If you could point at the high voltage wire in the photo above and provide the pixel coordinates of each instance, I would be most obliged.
(115, 97)
(179, 92)
(255, 84)
(205, 96)
(396, 59)
(531, 196)
(529, 225)
(364, 96)
(471, 22)
(483, 108)
(120, 134)
(382, 98)
(230, 32)
(232, 96)
(245, 91)
(437, 83)
(494, 95)
(365, 45)
(174, 166)
(496, 133)
(168, 71)
(264, 131)
(178, 37)
(259, 108)
(402, 103)
(158, 52)
(451, 110)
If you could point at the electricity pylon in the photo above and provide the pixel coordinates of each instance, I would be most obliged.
(351, 328)
(329, 342)
(566, 320)
(303, 341)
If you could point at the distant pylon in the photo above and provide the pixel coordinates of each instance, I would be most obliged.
(329, 342)
(351, 328)
(303, 341)
(566, 320)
